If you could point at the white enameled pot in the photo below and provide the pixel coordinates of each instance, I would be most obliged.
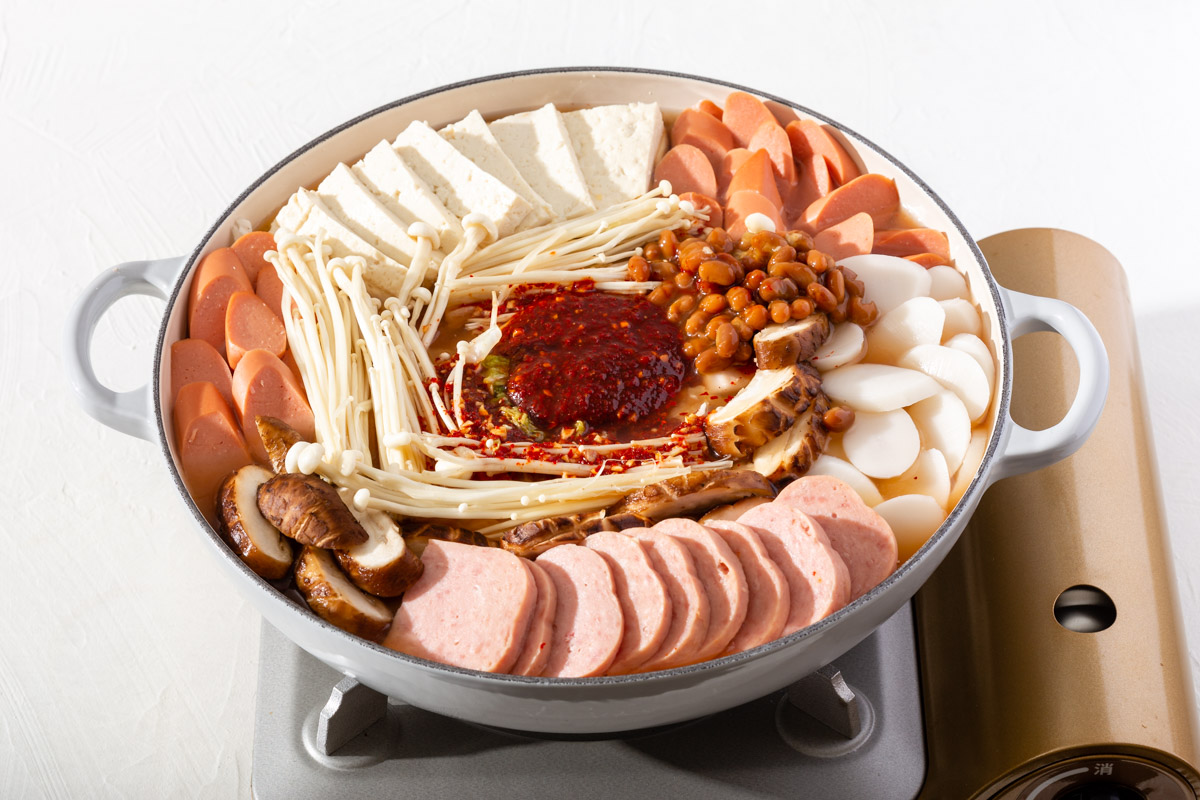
(592, 705)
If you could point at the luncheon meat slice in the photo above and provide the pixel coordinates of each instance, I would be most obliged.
(642, 595)
(818, 580)
(860, 536)
(470, 608)
(689, 602)
(536, 650)
(721, 574)
(770, 598)
(588, 623)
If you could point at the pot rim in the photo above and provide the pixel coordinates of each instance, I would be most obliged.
(950, 527)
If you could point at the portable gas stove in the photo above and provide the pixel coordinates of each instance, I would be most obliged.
(1043, 661)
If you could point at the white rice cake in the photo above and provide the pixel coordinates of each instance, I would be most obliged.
(537, 142)
(471, 137)
(404, 193)
(616, 147)
(461, 186)
(382, 274)
(362, 212)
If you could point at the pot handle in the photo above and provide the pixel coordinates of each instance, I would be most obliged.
(129, 412)
(1028, 450)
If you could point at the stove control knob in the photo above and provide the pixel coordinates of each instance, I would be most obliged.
(1102, 791)
(1102, 776)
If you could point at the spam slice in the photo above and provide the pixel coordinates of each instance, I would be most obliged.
(642, 595)
(470, 608)
(689, 602)
(769, 600)
(860, 536)
(588, 623)
(721, 574)
(536, 650)
(818, 580)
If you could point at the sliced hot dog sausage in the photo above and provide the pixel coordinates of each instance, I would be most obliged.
(688, 170)
(756, 175)
(709, 107)
(911, 242)
(716, 216)
(812, 183)
(851, 237)
(704, 132)
(724, 581)
(471, 608)
(588, 623)
(741, 205)
(196, 360)
(689, 602)
(773, 140)
(208, 442)
(872, 193)
(642, 595)
(250, 248)
(251, 325)
(818, 581)
(809, 138)
(730, 164)
(743, 116)
(928, 260)
(270, 289)
(264, 386)
(536, 650)
(770, 600)
(219, 275)
(860, 536)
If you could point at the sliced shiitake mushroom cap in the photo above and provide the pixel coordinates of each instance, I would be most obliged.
(243, 527)
(536, 537)
(732, 511)
(278, 437)
(331, 595)
(777, 346)
(383, 565)
(693, 494)
(764, 408)
(419, 534)
(791, 455)
(307, 509)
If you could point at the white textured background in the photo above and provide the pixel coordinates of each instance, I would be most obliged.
(126, 664)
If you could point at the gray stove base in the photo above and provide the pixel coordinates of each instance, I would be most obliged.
(766, 748)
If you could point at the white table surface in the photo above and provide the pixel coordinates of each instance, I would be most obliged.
(127, 664)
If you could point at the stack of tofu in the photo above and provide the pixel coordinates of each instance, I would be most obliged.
(521, 171)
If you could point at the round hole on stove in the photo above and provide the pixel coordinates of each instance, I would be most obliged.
(1085, 609)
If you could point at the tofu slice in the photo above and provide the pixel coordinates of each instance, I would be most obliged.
(383, 275)
(616, 147)
(471, 137)
(460, 185)
(537, 142)
(361, 211)
(403, 193)
(292, 215)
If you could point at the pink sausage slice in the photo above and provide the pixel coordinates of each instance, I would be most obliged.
(861, 537)
(770, 598)
(689, 602)
(817, 577)
(642, 595)
(470, 608)
(850, 237)
(588, 623)
(723, 579)
(688, 169)
(536, 650)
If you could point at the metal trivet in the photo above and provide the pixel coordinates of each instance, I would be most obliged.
(850, 730)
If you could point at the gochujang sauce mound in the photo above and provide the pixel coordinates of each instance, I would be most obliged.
(599, 358)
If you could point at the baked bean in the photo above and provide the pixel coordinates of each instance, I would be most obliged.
(861, 313)
(838, 315)
(756, 316)
(710, 361)
(708, 287)
(668, 243)
(801, 307)
(838, 418)
(739, 297)
(659, 297)
(717, 271)
(783, 254)
(683, 280)
(692, 252)
(767, 241)
(744, 331)
(818, 261)
(778, 289)
(779, 310)
(720, 240)
(695, 346)
(727, 341)
(745, 352)
(752, 257)
(695, 323)
(652, 252)
(681, 307)
(713, 303)
(714, 325)
(663, 270)
(639, 269)
(822, 297)
(799, 240)
(753, 279)
(854, 287)
(836, 283)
